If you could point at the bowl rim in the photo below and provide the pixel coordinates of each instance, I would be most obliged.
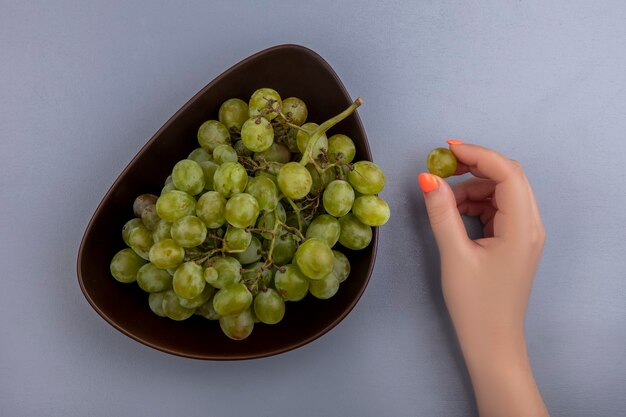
(288, 346)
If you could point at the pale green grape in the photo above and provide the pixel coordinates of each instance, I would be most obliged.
(189, 231)
(162, 231)
(210, 275)
(208, 169)
(166, 254)
(354, 234)
(142, 202)
(198, 301)
(241, 210)
(291, 283)
(284, 248)
(128, 227)
(175, 205)
(207, 311)
(172, 308)
(341, 149)
(188, 280)
(325, 228)
(155, 301)
(200, 155)
(149, 217)
(275, 153)
(256, 273)
(140, 240)
(125, 264)
(257, 134)
(319, 180)
(232, 299)
(211, 134)
(228, 271)
(251, 254)
(338, 198)
(224, 153)
(295, 110)
(238, 327)
(264, 192)
(302, 139)
(152, 279)
(267, 220)
(341, 268)
(268, 175)
(366, 177)
(233, 112)
(441, 162)
(324, 288)
(230, 178)
(294, 181)
(262, 102)
(237, 240)
(314, 258)
(188, 176)
(167, 188)
(371, 210)
(269, 306)
(241, 149)
(211, 209)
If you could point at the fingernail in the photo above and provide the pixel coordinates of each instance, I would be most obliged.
(428, 182)
(454, 142)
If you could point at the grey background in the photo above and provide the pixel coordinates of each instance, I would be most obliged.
(84, 86)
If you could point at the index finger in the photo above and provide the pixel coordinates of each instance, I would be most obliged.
(489, 163)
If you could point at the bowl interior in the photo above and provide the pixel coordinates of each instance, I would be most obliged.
(291, 70)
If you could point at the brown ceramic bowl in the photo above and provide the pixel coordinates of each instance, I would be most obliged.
(293, 71)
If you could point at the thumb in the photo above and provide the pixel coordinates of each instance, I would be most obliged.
(444, 216)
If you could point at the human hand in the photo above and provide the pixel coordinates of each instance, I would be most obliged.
(487, 282)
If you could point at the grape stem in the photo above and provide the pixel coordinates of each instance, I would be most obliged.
(296, 210)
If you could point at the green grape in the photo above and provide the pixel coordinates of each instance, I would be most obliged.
(232, 299)
(155, 301)
(292, 221)
(267, 220)
(294, 180)
(140, 240)
(251, 254)
(441, 162)
(208, 169)
(238, 327)
(188, 232)
(210, 275)
(200, 155)
(319, 180)
(210, 209)
(230, 178)
(241, 149)
(338, 198)
(207, 311)
(291, 141)
(149, 217)
(341, 269)
(268, 175)
(269, 306)
(341, 149)
(366, 177)
(142, 202)
(257, 134)
(302, 139)
(256, 273)
(233, 112)
(188, 176)
(198, 301)
(295, 110)
(324, 288)
(166, 254)
(274, 167)
(128, 227)
(125, 264)
(262, 102)
(152, 279)
(175, 205)
(291, 283)
(354, 234)
(168, 187)
(275, 153)
(228, 271)
(224, 153)
(325, 228)
(284, 248)
(371, 210)
(314, 258)
(211, 134)
(188, 280)
(162, 231)
(237, 240)
(241, 210)
(264, 192)
(172, 308)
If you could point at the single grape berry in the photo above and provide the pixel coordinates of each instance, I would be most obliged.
(441, 162)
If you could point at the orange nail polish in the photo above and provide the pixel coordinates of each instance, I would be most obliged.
(455, 142)
(428, 182)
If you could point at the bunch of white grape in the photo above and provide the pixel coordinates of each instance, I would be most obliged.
(252, 217)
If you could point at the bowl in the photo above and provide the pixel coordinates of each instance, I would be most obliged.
(293, 71)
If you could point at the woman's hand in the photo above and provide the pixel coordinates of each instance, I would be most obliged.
(487, 282)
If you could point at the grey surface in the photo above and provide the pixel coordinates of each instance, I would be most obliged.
(83, 86)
